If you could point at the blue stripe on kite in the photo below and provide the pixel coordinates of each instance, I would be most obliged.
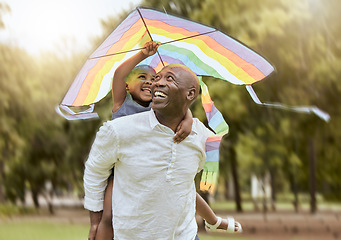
(195, 68)
(212, 156)
(215, 120)
(176, 58)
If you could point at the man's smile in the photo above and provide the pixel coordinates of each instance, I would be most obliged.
(159, 94)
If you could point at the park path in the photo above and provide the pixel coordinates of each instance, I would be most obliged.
(287, 225)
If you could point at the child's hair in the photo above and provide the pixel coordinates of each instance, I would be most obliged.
(140, 67)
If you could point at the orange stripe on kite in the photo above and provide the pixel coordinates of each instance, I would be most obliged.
(214, 138)
(89, 79)
(207, 107)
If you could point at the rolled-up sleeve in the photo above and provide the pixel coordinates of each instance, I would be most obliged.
(102, 156)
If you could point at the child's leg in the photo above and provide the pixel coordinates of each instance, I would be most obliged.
(205, 211)
(105, 230)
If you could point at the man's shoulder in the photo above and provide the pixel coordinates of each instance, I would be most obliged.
(129, 121)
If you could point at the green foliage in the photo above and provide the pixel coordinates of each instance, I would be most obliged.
(300, 38)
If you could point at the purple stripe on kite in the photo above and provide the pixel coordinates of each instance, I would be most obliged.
(209, 115)
(165, 59)
(116, 35)
(243, 51)
(223, 39)
(175, 21)
(155, 60)
(212, 145)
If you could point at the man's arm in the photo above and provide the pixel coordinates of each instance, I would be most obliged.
(97, 170)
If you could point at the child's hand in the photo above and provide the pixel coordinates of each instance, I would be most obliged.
(92, 232)
(182, 131)
(150, 48)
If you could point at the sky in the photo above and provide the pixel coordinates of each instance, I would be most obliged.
(48, 25)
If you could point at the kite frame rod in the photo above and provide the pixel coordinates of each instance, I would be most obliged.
(179, 39)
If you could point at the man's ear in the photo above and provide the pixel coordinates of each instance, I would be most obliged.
(191, 94)
(127, 87)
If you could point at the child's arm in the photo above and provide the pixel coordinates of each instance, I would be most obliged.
(118, 84)
(184, 128)
(95, 218)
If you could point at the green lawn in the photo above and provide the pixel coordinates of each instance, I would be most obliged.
(42, 231)
(39, 230)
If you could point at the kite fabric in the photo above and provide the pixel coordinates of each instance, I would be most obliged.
(209, 177)
(205, 50)
(307, 109)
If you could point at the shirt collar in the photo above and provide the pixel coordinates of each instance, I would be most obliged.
(152, 119)
(154, 122)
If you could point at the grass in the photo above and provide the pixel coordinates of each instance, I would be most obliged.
(42, 230)
(22, 223)
(39, 230)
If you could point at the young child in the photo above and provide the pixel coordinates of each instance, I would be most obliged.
(131, 93)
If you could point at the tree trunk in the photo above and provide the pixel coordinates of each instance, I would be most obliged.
(35, 199)
(235, 178)
(273, 189)
(2, 175)
(312, 176)
(294, 189)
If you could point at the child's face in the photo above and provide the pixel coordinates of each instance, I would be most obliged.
(139, 85)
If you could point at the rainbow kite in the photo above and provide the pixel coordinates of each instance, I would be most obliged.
(205, 50)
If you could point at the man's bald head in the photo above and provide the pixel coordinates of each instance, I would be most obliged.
(188, 76)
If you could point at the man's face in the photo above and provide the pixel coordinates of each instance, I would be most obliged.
(170, 88)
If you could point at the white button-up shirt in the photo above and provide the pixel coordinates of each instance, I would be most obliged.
(154, 192)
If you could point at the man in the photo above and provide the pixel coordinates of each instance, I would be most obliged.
(154, 192)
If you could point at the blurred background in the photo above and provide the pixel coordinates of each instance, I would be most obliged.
(279, 170)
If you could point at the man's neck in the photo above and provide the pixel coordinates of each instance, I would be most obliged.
(171, 121)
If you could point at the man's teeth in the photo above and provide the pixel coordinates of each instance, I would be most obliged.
(160, 94)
